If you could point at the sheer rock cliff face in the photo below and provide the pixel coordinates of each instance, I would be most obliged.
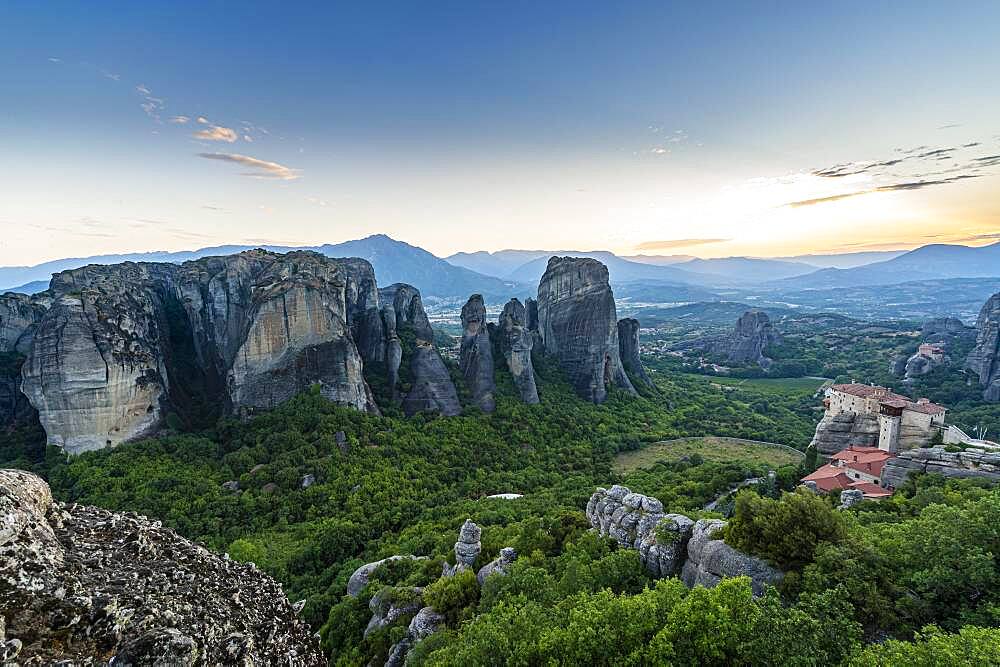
(628, 349)
(750, 339)
(577, 325)
(431, 386)
(843, 430)
(87, 586)
(984, 360)
(117, 347)
(516, 342)
(96, 369)
(476, 355)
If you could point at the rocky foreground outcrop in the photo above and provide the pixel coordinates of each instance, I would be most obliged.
(110, 350)
(476, 354)
(577, 325)
(673, 544)
(984, 360)
(89, 586)
(969, 463)
(749, 340)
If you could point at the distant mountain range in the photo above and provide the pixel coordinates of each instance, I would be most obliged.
(527, 266)
(506, 273)
(929, 262)
(394, 261)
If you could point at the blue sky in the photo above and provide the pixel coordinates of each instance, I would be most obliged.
(645, 127)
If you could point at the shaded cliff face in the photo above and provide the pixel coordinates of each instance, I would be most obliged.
(19, 318)
(577, 325)
(750, 339)
(515, 344)
(120, 346)
(984, 360)
(476, 354)
(628, 349)
(431, 388)
(86, 585)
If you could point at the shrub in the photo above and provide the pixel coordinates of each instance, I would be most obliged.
(453, 597)
(785, 531)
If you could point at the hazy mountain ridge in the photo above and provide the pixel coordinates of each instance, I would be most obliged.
(929, 262)
(394, 261)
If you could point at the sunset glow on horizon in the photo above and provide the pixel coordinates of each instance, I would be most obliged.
(485, 127)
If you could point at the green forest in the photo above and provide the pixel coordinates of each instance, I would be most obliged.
(912, 580)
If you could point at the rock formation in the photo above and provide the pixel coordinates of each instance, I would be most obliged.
(108, 351)
(843, 430)
(750, 339)
(516, 342)
(944, 330)
(634, 520)
(499, 565)
(476, 355)
(850, 497)
(968, 463)
(359, 579)
(84, 585)
(116, 347)
(390, 604)
(19, 318)
(577, 324)
(710, 560)
(898, 365)
(425, 623)
(919, 364)
(673, 544)
(628, 349)
(467, 547)
(431, 388)
(984, 360)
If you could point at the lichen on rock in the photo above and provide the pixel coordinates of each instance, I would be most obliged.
(86, 585)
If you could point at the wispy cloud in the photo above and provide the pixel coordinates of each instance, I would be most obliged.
(261, 168)
(676, 243)
(217, 133)
(180, 120)
(913, 185)
(152, 106)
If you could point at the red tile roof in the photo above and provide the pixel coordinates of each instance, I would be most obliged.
(927, 408)
(868, 460)
(828, 478)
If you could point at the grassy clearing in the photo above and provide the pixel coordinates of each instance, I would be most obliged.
(709, 448)
(773, 385)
